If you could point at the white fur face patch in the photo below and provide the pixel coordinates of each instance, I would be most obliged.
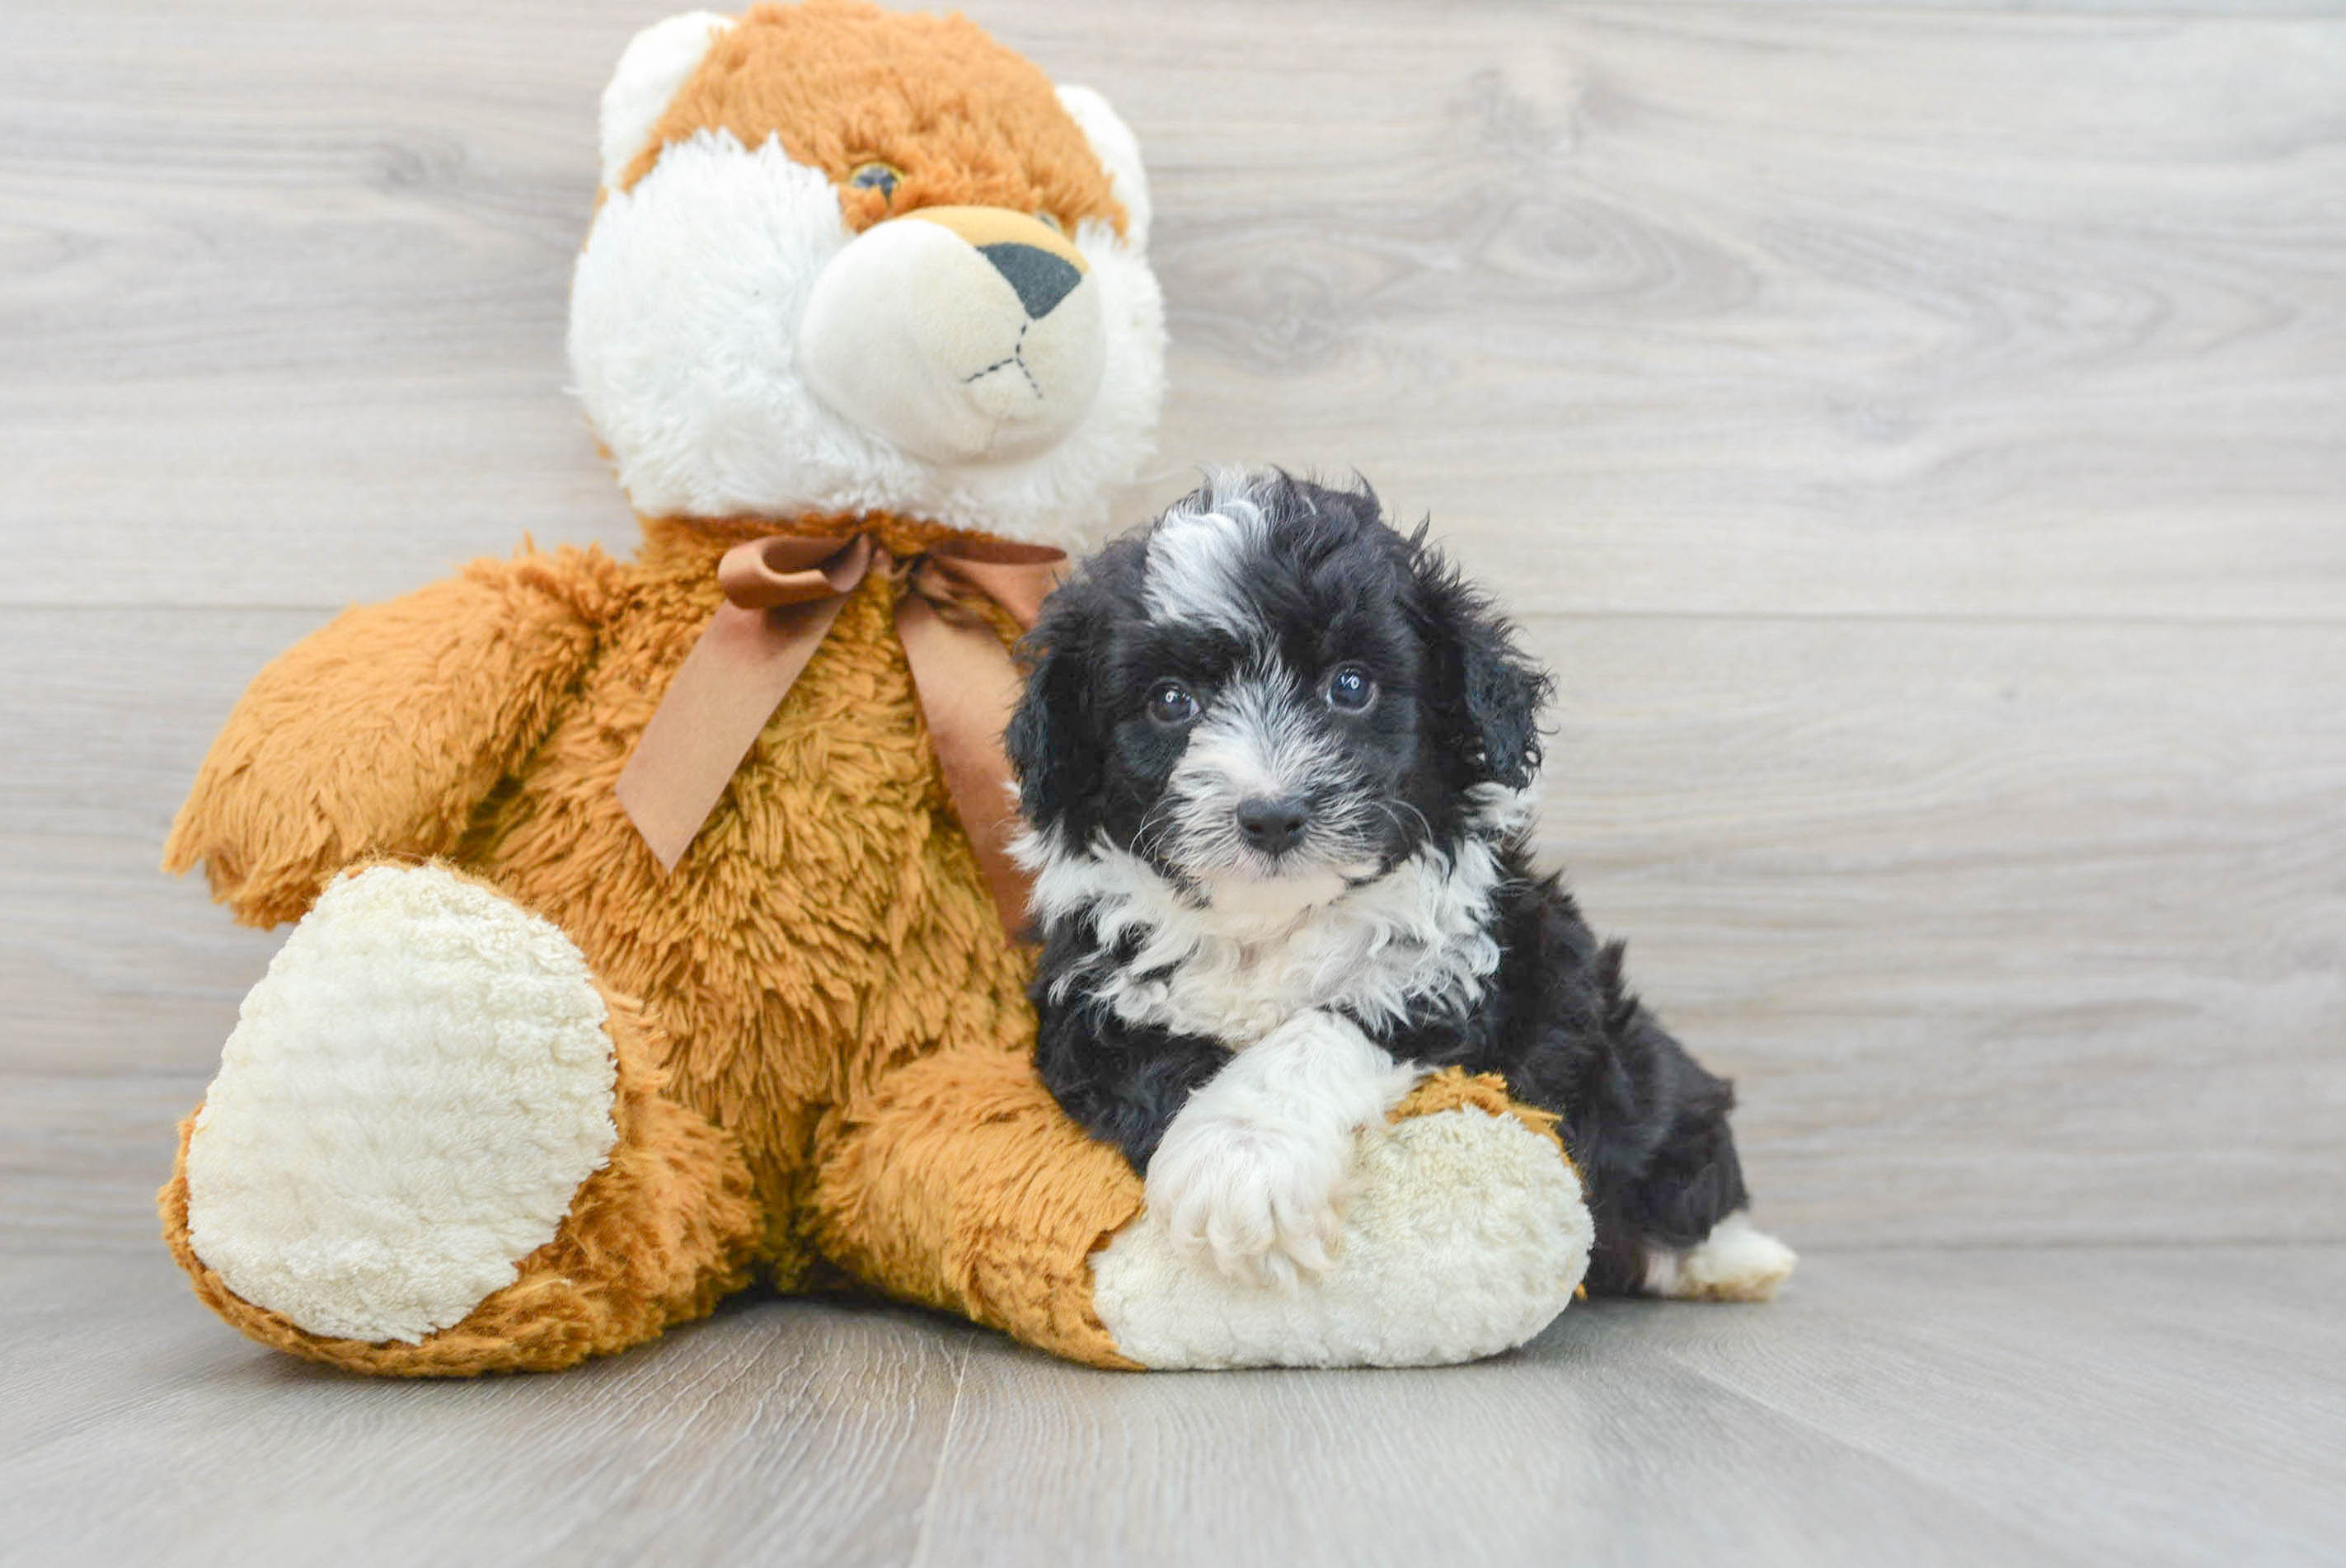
(687, 309)
(411, 1098)
(1262, 738)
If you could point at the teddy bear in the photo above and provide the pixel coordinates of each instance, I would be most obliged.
(653, 931)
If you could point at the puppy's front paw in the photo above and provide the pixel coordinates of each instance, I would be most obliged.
(1260, 1201)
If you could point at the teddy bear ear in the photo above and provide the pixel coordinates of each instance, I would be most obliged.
(1113, 144)
(655, 64)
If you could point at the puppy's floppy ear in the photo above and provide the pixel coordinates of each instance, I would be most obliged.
(1052, 744)
(1486, 693)
(1505, 693)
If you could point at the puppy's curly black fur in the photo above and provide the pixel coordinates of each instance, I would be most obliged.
(1207, 678)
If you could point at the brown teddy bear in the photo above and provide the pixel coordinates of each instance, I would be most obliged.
(652, 915)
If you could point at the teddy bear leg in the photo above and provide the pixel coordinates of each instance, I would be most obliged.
(436, 1146)
(960, 1184)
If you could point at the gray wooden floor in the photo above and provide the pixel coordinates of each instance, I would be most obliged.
(1916, 433)
(2018, 1406)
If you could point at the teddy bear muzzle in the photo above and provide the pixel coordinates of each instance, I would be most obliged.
(957, 334)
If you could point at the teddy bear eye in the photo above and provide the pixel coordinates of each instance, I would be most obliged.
(876, 176)
(1350, 689)
(1170, 702)
(1050, 220)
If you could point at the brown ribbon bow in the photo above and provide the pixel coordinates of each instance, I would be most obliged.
(781, 593)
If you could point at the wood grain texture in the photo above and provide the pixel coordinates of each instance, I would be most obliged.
(140, 1430)
(2030, 1407)
(1999, 927)
(1774, 309)
(1964, 1408)
(2151, 1405)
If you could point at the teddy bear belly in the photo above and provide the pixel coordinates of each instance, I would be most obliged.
(829, 922)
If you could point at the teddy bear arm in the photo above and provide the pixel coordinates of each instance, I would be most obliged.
(382, 732)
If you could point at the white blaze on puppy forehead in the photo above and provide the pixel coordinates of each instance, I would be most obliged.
(1197, 560)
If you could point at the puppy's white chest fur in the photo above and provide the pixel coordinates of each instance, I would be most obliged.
(1413, 941)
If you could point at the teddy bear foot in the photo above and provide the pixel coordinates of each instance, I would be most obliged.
(411, 1097)
(1465, 1235)
(436, 1147)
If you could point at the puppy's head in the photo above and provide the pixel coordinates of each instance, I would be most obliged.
(1270, 696)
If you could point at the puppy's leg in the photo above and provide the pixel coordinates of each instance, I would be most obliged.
(1649, 1125)
(1736, 1261)
(1251, 1172)
(1687, 1208)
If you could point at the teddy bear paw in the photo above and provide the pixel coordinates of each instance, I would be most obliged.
(411, 1098)
(1465, 1234)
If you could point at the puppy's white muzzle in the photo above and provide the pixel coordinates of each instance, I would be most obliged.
(956, 334)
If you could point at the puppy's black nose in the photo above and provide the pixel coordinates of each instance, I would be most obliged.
(1273, 827)
(1041, 279)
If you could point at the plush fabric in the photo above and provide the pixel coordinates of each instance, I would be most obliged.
(659, 1235)
(656, 63)
(962, 1185)
(842, 84)
(1467, 1234)
(410, 1099)
(829, 921)
(690, 346)
(278, 808)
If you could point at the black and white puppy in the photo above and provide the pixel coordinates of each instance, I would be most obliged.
(1276, 762)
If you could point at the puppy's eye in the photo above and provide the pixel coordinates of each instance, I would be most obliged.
(876, 176)
(1350, 689)
(1170, 702)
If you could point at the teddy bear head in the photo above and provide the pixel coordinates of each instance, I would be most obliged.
(849, 260)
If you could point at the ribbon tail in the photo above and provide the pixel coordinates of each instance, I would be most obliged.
(969, 687)
(722, 695)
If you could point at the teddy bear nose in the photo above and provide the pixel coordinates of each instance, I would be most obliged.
(1272, 827)
(1041, 279)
